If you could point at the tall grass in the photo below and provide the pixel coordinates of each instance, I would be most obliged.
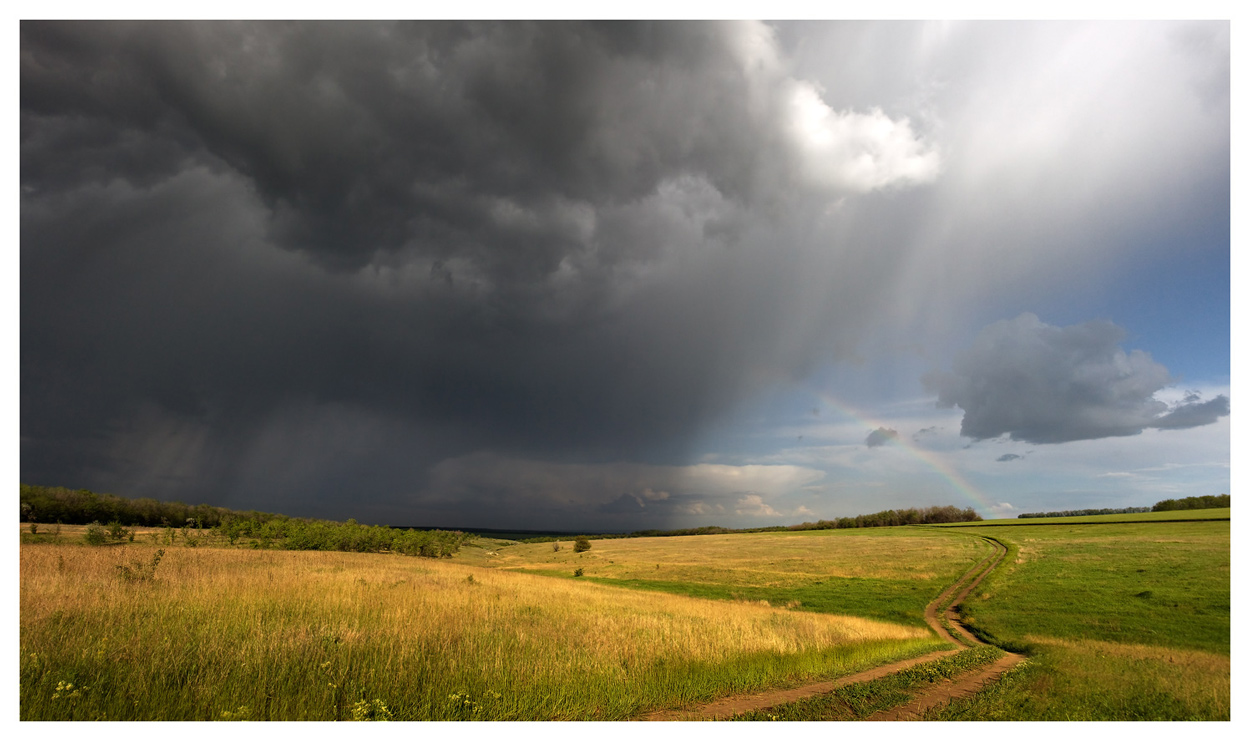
(229, 634)
(879, 573)
(1098, 680)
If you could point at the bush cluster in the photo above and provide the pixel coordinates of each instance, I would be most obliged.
(320, 535)
(114, 532)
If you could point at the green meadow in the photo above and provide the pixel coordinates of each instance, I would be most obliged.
(1122, 617)
(1120, 621)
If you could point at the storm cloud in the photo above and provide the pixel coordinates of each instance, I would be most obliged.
(1043, 384)
(880, 436)
(540, 238)
(351, 269)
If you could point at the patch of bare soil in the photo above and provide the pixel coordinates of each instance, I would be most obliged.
(961, 687)
(730, 706)
(950, 689)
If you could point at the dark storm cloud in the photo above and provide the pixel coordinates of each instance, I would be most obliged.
(279, 262)
(1008, 457)
(1193, 413)
(493, 142)
(880, 436)
(1043, 384)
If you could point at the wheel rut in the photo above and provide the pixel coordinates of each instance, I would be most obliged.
(939, 614)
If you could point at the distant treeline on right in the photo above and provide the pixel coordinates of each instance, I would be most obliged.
(885, 518)
(1220, 501)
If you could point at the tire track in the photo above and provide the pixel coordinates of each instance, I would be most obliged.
(965, 685)
(941, 607)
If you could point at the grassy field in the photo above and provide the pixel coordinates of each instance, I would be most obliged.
(1099, 680)
(239, 634)
(881, 573)
(1122, 622)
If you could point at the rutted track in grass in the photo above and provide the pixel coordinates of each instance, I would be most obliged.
(941, 617)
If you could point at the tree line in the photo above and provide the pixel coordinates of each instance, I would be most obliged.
(1084, 512)
(885, 518)
(1218, 501)
(44, 504)
(1167, 505)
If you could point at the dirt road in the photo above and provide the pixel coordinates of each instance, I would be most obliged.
(941, 607)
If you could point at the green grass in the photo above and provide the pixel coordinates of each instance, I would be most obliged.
(895, 601)
(1121, 621)
(1151, 584)
(1085, 681)
(880, 573)
(861, 700)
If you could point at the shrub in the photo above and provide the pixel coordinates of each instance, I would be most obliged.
(581, 545)
(579, 572)
(96, 534)
(139, 571)
(555, 545)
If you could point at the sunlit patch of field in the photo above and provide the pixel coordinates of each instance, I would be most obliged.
(883, 573)
(1101, 680)
(221, 634)
(1166, 584)
(1122, 622)
(759, 559)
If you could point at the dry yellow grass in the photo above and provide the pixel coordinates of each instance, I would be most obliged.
(314, 632)
(754, 559)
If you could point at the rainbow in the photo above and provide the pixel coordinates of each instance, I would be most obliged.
(979, 500)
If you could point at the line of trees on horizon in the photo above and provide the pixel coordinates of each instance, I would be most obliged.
(51, 504)
(884, 518)
(1220, 501)
(47, 504)
(1084, 512)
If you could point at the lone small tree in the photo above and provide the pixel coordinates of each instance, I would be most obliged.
(581, 544)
